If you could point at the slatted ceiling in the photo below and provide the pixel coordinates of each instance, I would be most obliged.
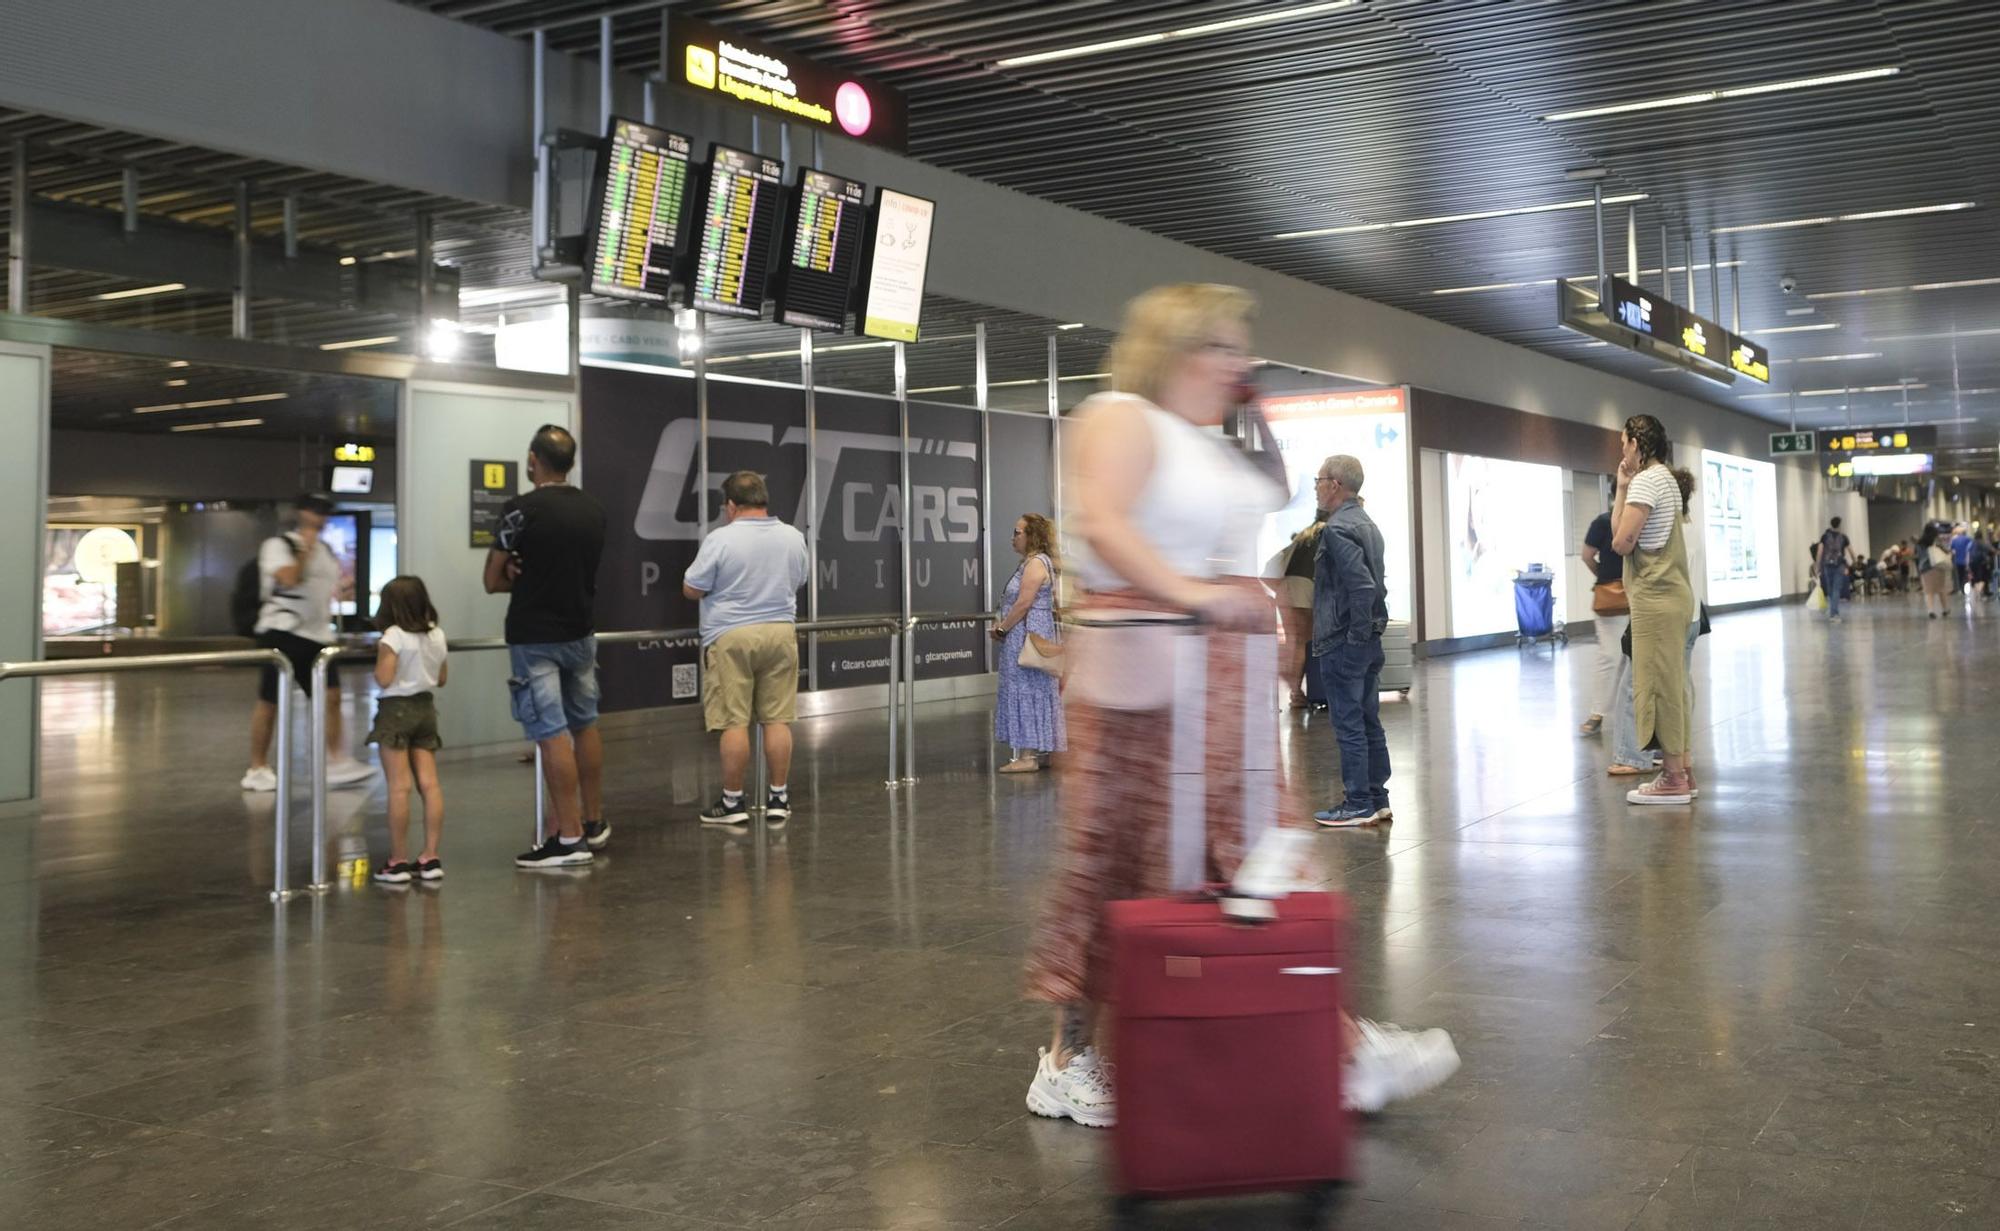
(93, 391)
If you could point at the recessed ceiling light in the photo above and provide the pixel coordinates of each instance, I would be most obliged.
(1163, 36)
(1831, 358)
(347, 260)
(176, 384)
(1758, 333)
(162, 289)
(1866, 216)
(1952, 335)
(1071, 325)
(1800, 311)
(1838, 393)
(1898, 290)
(352, 343)
(1709, 96)
(177, 363)
(262, 397)
(1444, 218)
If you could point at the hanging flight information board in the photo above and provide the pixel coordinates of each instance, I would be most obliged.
(892, 298)
(732, 241)
(815, 275)
(637, 199)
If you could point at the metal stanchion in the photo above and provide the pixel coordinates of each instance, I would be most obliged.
(541, 799)
(759, 789)
(895, 657)
(910, 701)
(281, 825)
(316, 729)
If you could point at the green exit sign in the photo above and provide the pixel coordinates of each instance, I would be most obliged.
(1793, 442)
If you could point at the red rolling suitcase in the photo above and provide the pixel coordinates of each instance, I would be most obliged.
(1227, 1039)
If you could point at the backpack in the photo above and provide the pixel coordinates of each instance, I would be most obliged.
(1829, 547)
(246, 600)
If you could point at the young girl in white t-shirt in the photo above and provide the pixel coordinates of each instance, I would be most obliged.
(409, 663)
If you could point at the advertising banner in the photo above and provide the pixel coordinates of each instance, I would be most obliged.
(1738, 499)
(641, 449)
(1369, 425)
(1502, 516)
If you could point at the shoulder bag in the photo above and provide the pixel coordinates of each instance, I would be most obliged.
(1607, 598)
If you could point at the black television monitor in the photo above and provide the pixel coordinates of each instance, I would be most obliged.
(894, 268)
(820, 250)
(638, 212)
(735, 216)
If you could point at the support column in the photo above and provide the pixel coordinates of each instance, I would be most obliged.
(979, 389)
(811, 510)
(239, 299)
(18, 231)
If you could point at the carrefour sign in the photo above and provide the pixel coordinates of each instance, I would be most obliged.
(792, 88)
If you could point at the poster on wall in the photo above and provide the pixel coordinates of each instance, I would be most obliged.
(641, 453)
(1501, 517)
(1368, 424)
(1740, 527)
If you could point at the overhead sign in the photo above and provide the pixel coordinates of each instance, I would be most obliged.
(769, 79)
(1878, 451)
(352, 452)
(1673, 332)
(1343, 402)
(1792, 442)
(892, 295)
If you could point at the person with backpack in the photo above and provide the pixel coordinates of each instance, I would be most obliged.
(409, 664)
(1934, 571)
(1832, 561)
(298, 581)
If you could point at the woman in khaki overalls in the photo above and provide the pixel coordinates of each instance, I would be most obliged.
(1646, 520)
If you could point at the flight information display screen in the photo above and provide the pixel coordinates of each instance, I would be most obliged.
(732, 243)
(816, 265)
(637, 201)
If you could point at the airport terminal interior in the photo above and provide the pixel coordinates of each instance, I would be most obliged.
(364, 279)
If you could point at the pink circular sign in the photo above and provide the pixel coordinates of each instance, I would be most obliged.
(852, 108)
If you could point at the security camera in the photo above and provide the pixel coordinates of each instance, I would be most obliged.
(1788, 284)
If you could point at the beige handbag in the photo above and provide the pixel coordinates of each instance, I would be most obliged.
(1038, 653)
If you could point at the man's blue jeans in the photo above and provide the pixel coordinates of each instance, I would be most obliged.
(1830, 580)
(1351, 672)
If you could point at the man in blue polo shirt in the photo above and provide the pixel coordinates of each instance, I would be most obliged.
(747, 577)
(1961, 557)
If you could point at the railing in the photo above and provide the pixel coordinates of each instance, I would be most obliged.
(332, 653)
(280, 824)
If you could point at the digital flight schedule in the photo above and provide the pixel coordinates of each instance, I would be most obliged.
(733, 243)
(640, 191)
(816, 267)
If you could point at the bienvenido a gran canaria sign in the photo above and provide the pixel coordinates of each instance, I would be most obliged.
(790, 87)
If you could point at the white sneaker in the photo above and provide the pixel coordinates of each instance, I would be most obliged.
(1390, 1063)
(1080, 1091)
(260, 778)
(349, 772)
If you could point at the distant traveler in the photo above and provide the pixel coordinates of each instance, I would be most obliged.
(1961, 557)
(747, 577)
(1350, 611)
(1648, 520)
(1981, 560)
(1295, 608)
(1934, 571)
(409, 665)
(545, 561)
(299, 580)
(1832, 561)
(1165, 519)
(1027, 711)
(1608, 613)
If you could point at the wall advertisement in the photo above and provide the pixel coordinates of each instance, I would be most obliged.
(1502, 516)
(1370, 425)
(640, 453)
(1739, 515)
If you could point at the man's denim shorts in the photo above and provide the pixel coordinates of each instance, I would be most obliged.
(554, 686)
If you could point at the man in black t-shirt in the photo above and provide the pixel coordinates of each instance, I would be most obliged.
(1606, 566)
(545, 560)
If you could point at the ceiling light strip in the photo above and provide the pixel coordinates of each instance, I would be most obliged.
(353, 343)
(1709, 96)
(1481, 216)
(1865, 216)
(1899, 290)
(1583, 280)
(162, 289)
(1162, 36)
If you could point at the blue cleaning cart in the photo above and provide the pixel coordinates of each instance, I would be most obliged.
(1535, 607)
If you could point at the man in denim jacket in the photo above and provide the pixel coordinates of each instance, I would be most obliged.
(1350, 610)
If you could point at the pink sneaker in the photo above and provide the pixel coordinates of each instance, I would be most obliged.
(1665, 789)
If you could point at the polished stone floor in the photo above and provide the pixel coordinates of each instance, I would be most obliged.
(1777, 1009)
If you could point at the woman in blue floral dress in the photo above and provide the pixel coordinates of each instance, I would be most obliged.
(1028, 716)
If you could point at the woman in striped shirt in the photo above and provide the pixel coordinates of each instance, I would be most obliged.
(1646, 520)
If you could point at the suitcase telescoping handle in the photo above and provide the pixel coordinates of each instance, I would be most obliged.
(1162, 620)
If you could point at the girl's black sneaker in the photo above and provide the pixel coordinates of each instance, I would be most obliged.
(394, 873)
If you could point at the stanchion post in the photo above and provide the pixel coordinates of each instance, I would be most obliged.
(316, 729)
(910, 701)
(759, 788)
(281, 823)
(541, 799)
(895, 659)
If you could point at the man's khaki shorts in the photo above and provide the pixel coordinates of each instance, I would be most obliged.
(749, 672)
